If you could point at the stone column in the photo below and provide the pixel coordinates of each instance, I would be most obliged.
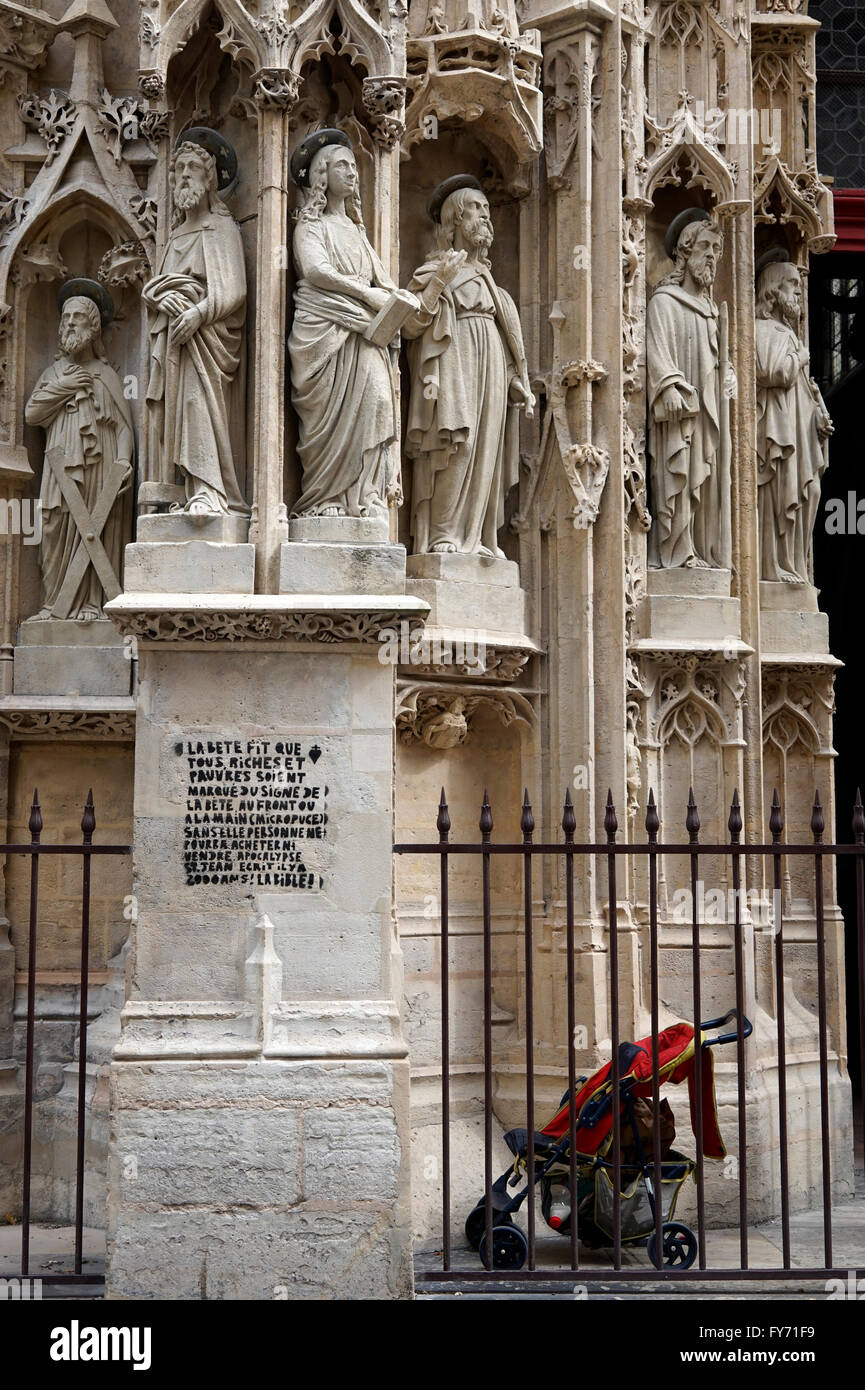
(276, 92)
(259, 1092)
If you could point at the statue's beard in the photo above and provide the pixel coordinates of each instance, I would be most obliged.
(74, 340)
(790, 313)
(482, 238)
(189, 195)
(703, 272)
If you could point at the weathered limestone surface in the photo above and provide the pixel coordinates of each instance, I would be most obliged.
(616, 586)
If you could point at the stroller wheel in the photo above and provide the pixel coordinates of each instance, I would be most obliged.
(679, 1245)
(476, 1223)
(510, 1247)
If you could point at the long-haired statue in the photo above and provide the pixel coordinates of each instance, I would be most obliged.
(198, 311)
(469, 379)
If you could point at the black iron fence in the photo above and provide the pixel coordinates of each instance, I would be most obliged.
(569, 1158)
(36, 850)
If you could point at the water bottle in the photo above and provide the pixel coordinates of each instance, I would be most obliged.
(560, 1208)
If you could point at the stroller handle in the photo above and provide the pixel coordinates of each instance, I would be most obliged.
(747, 1028)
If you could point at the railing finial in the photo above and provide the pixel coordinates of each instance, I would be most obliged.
(611, 823)
(692, 818)
(653, 820)
(88, 820)
(859, 819)
(486, 820)
(443, 820)
(569, 819)
(34, 825)
(734, 824)
(776, 819)
(818, 823)
(527, 820)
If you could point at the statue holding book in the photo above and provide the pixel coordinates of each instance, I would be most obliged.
(343, 342)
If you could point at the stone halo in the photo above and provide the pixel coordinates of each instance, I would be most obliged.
(776, 255)
(678, 225)
(310, 145)
(217, 145)
(445, 189)
(88, 289)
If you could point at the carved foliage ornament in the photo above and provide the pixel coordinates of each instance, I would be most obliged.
(118, 725)
(52, 117)
(253, 626)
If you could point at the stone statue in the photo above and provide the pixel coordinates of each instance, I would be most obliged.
(79, 403)
(198, 309)
(793, 428)
(690, 382)
(347, 313)
(468, 380)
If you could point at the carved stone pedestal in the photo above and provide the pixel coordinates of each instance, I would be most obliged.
(260, 1087)
(69, 657)
(225, 529)
(190, 567)
(312, 567)
(790, 621)
(689, 604)
(469, 592)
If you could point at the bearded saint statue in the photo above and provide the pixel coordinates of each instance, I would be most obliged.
(469, 379)
(198, 310)
(690, 382)
(89, 446)
(793, 428)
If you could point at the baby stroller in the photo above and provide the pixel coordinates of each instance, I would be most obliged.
(593, 1108)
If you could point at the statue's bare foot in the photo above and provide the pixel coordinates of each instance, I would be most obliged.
(443, 548)
(695, 563)
(89, 614)
(200, 507)
(788, 578)
(43, 616)
(332, 511)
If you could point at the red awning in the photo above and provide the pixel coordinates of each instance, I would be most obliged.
(849, 219)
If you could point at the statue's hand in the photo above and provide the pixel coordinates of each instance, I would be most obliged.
(449, 264)
(77, 379)
(671, 405)
(518, 395)
(174, 304)
(183, 327)
(375, 298)
(731, 385)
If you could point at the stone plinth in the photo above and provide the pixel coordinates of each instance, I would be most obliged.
(689, 604)
(190, 566)
(261, 1080)
(226, 529)
(469, 592)
(340, 530)
(68, 657)
(313, 567)
(790, 621)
